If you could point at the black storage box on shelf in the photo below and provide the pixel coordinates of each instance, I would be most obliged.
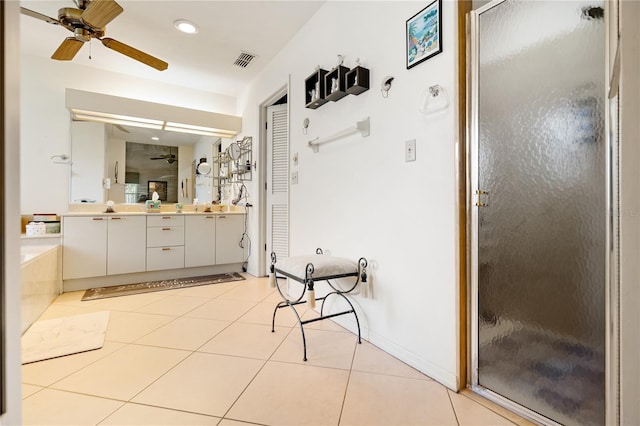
(314, 89)
(357, 80)
(338, 89)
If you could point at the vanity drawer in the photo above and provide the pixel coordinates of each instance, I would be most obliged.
(163, 236)
(159, 258)
(165, 220)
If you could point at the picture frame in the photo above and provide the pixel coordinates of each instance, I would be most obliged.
(424, 34)
(159, 186)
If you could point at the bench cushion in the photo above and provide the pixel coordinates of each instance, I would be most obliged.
(324, 267)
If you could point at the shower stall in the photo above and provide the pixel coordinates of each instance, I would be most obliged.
(538, 173)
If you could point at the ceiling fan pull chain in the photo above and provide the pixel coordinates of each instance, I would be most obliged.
(90, 45)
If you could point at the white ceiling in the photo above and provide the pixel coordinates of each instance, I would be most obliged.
(202, 61)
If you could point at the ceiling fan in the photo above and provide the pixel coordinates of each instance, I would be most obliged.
(169, 158)
(89, 21)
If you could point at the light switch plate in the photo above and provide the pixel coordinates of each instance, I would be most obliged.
(410, 150)
(294, 177)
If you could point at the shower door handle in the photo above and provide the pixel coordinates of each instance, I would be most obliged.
(482, 198)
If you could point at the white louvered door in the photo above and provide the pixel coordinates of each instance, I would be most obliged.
(277, 182)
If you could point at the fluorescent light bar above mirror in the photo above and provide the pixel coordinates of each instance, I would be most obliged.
(82, 115)
(89, 106)
(180, 127)
(107, 120)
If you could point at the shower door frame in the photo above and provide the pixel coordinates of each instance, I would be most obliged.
(612, 408)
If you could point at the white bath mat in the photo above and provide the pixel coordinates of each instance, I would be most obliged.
(64, 336)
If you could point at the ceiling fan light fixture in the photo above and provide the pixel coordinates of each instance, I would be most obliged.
(185, 26)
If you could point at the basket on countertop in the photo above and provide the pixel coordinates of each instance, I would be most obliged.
(50, 221)
(36, 228)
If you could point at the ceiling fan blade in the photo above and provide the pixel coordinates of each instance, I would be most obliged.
(67, 50)
(40, 16)
(134, 53)
(100, 12)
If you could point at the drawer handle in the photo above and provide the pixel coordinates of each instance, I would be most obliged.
(222, 217)
(166, 217)
(117, 218)
(210, 217)
(165, 249)
(166, 229)
(98, 218)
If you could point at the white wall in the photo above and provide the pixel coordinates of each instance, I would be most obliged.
(45, 122)
(629, 213)
(88, 148)
(11, 233)
(357, 196)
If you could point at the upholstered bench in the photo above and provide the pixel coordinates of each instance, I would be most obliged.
(308, 270)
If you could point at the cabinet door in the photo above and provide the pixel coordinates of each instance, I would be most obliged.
(199, 240)
(161, 258)
(229, 230)
(126, 244)
(84, 249)
(166, 236)
(165, 220)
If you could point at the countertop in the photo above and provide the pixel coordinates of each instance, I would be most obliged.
(117, 213)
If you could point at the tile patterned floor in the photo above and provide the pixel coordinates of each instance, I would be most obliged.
(206, 356)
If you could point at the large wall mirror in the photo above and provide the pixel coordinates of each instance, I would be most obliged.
(125, 164)
(123, 149)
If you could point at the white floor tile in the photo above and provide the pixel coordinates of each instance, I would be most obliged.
(290, 394)
(184, 333)
(124, 373)
(203, 383)
(136, 414)
(54, 407)
(206, 356)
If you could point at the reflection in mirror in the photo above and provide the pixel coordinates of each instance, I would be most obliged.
(127, 150)
(99, 135)
(146, 167)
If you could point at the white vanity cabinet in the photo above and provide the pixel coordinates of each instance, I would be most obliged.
(229, 230)
(84, 252)
(199, 240)
(96, 246)
(133, 247)
(126, 243)
(165, 242)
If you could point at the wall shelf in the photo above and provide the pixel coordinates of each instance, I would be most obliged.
(314, 89)
(335, 83)
(323, 86)
(357, 80)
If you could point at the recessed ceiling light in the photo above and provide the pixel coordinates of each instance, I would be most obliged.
(185, 26)
(155, 138)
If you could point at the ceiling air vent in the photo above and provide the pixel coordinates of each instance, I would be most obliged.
(243, 59)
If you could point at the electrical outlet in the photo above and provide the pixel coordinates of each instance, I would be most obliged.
(294, 177)
(410, 150)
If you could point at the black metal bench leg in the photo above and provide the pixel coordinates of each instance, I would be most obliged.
(354, 313)
(304, 340)
(273, 319)
(292, 306)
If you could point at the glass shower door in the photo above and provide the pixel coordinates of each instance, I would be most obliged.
(539, 183)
